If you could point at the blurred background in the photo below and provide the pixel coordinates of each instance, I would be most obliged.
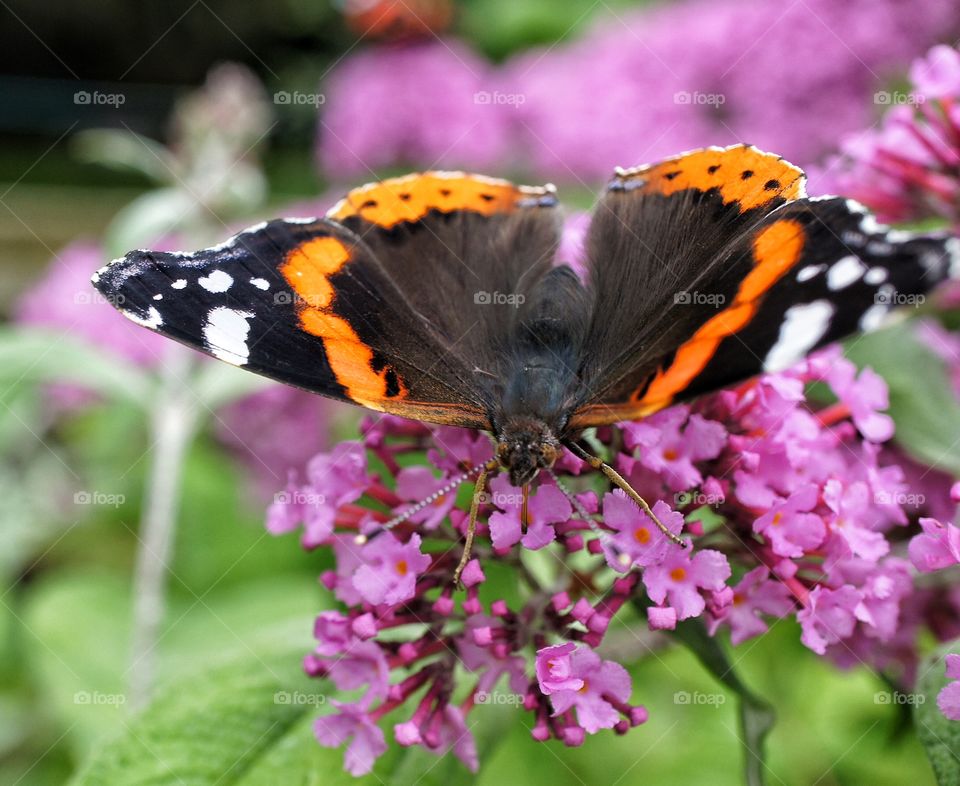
(134, 476)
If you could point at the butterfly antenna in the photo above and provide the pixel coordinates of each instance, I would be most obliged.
(478, 491)
(429, 500)
(622, 557)
(618, 480)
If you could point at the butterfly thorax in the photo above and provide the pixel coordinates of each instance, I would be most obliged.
(525, 445)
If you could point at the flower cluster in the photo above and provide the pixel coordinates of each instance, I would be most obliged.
(787, 510)
(908, 167)
(620, 94)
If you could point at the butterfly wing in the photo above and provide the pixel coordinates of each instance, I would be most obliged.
(311, 303)
(758, 276)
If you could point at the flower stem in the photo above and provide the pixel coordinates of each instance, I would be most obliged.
(172, 426)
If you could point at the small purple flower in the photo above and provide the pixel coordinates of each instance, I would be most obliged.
(671, 441)
(948, 700)
(594, 686)
(555, 669)
(418, 483)
(638, 541)
(390, 569)
(546, 506)
(938, 74)
(680, 577)
(828, 616)
(851, 510)
(936, 548)
(352, 723)
(864, 395)
(790, 527)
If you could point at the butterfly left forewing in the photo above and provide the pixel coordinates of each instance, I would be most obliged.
(304, 302)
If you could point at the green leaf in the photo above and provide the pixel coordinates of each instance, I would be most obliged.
(43, 355)
(226, 725)
(125, 151)
(756, 715)
(922, 402)
(940, 736)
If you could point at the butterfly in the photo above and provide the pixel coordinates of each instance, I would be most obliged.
(436, 296)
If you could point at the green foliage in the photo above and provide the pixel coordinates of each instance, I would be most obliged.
(940, 736)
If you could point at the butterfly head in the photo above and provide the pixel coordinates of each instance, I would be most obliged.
(524, 447)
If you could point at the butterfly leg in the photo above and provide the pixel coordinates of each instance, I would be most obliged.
(620, 482)
(478, 492)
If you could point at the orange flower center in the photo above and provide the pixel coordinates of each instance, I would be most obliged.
(402, 568)
(738, 599)
(584, 688)
(678, 574)
(641, 535)
(777, 518)
(670, 454)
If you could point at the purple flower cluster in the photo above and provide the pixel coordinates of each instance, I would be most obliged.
(635, 87)
(788, 510)
(908, 167)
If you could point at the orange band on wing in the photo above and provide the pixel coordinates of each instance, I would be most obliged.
(307, 270)
(411, 197)
(776, 249)
(742, 174)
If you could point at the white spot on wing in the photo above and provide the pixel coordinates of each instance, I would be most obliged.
(953, 252)
(152, 320)
(875, 276)
(217, 281)
(845, 272)
(180, 283)
(260, 283)
(804, 325)
(810, 271)
(158, 296)
(225, 334)
(873, 317)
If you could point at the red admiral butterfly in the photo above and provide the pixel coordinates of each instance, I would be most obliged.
(703, 270)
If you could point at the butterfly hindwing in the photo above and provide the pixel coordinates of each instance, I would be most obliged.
(305, 302)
